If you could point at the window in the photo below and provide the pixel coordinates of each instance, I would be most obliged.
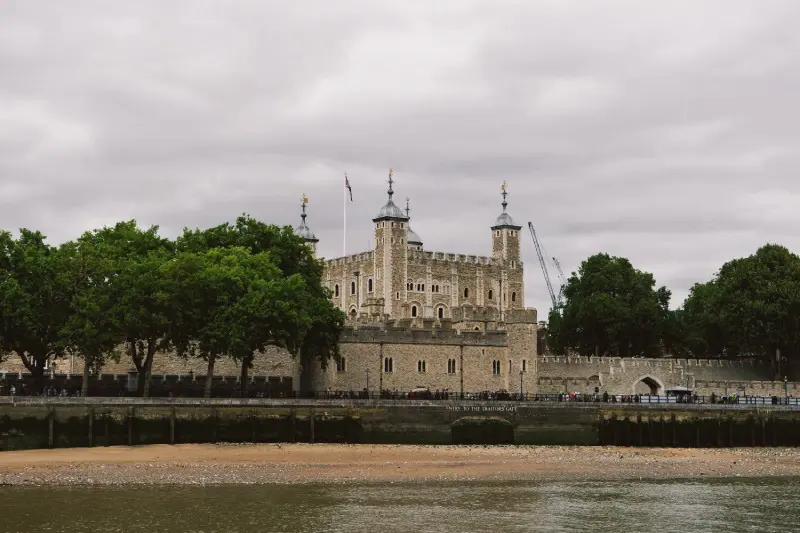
(387, 365)
(513, 296)
(509, 366)
(352, 287)
(466, 292)
(524, 365)
(440, 312)
(451, 366)
(397, 296)
(421, 366)
(341, 365)
(336, 290)
(369, 285)
(413, 311)
(401, 225)
(490, 294)
(409, 285)
(496, 367)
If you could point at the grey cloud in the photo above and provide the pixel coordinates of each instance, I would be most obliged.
(664, 133)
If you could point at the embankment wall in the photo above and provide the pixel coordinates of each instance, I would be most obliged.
(79, 422)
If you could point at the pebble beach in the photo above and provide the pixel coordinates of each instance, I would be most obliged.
(199, 464)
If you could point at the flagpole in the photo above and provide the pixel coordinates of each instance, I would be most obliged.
(344, 219)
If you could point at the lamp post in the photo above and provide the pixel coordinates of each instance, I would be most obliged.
(521, 372)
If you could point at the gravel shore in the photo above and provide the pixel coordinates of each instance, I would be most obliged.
(197, 464)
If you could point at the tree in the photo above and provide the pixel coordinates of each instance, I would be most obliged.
(239, 304)
(33, 302)
(611, 308)
(88, 267)
(142, 294)
(751, 307)
(290, 254)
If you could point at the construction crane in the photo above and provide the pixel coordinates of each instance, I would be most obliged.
(544, 266)
(561, 278)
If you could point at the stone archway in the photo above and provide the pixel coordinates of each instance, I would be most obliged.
(648, 385)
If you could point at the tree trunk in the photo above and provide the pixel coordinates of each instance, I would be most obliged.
(209, 376)
(87, 364)
(148, 367)
(34, 365)
(243, 379)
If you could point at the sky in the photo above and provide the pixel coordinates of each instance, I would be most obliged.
(664, 132)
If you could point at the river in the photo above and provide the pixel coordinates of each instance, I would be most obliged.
(763, 505)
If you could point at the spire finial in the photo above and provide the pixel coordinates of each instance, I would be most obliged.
(305, 201)
(408, 208)
(390, 191)
(504, 188)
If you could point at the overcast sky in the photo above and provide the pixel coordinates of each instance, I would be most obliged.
(666, 132)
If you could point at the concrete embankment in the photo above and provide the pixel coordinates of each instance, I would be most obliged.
(30, 423)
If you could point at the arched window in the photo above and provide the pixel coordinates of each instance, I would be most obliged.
(409, 285)
(513, 296)
(369, 285)
(413, 311)
(490, 294)
(352, 287)
(387, 365)
(336, 290)
(466, 292)
(441, 312)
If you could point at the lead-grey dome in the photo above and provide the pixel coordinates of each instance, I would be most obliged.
(390, 210)
(305, 232)
(504, 220)
(413, 238)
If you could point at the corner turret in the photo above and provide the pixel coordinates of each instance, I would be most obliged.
(304, 231)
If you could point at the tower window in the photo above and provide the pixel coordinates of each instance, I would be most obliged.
(496, 367)
(441, 312)
(409, 285)
(421, 366)
(388, 367)
(466, 292)
(369, 285)
(451, 366)
(336, 290)
(352, 287)
(491, 294)
(509, 366)
(524, 365)
(397, 296)
(413, 311)
(513, 296)
(341, 365)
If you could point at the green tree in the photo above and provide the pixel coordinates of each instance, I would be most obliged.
(92, 330)
(611, 308)
(751, 307)
(141, 292)
(293, 258)
(33, 302)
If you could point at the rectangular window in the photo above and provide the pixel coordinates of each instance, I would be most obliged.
(524, 365)
(388, 368)
(341, 365)
(451, 366)
(509, 366)
(496, 367)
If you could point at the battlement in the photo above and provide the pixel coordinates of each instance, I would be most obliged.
(390, 334)
(358, 258)
(640, 362)
(425, 255)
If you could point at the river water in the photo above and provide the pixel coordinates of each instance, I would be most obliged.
(763, 505)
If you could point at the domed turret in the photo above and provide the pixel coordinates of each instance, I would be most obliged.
(413, 238)
(390, 210)
(303, 230)
(504, 221)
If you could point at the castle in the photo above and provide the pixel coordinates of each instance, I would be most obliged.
(399, 279)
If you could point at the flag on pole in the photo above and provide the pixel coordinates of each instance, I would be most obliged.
(347, 184)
